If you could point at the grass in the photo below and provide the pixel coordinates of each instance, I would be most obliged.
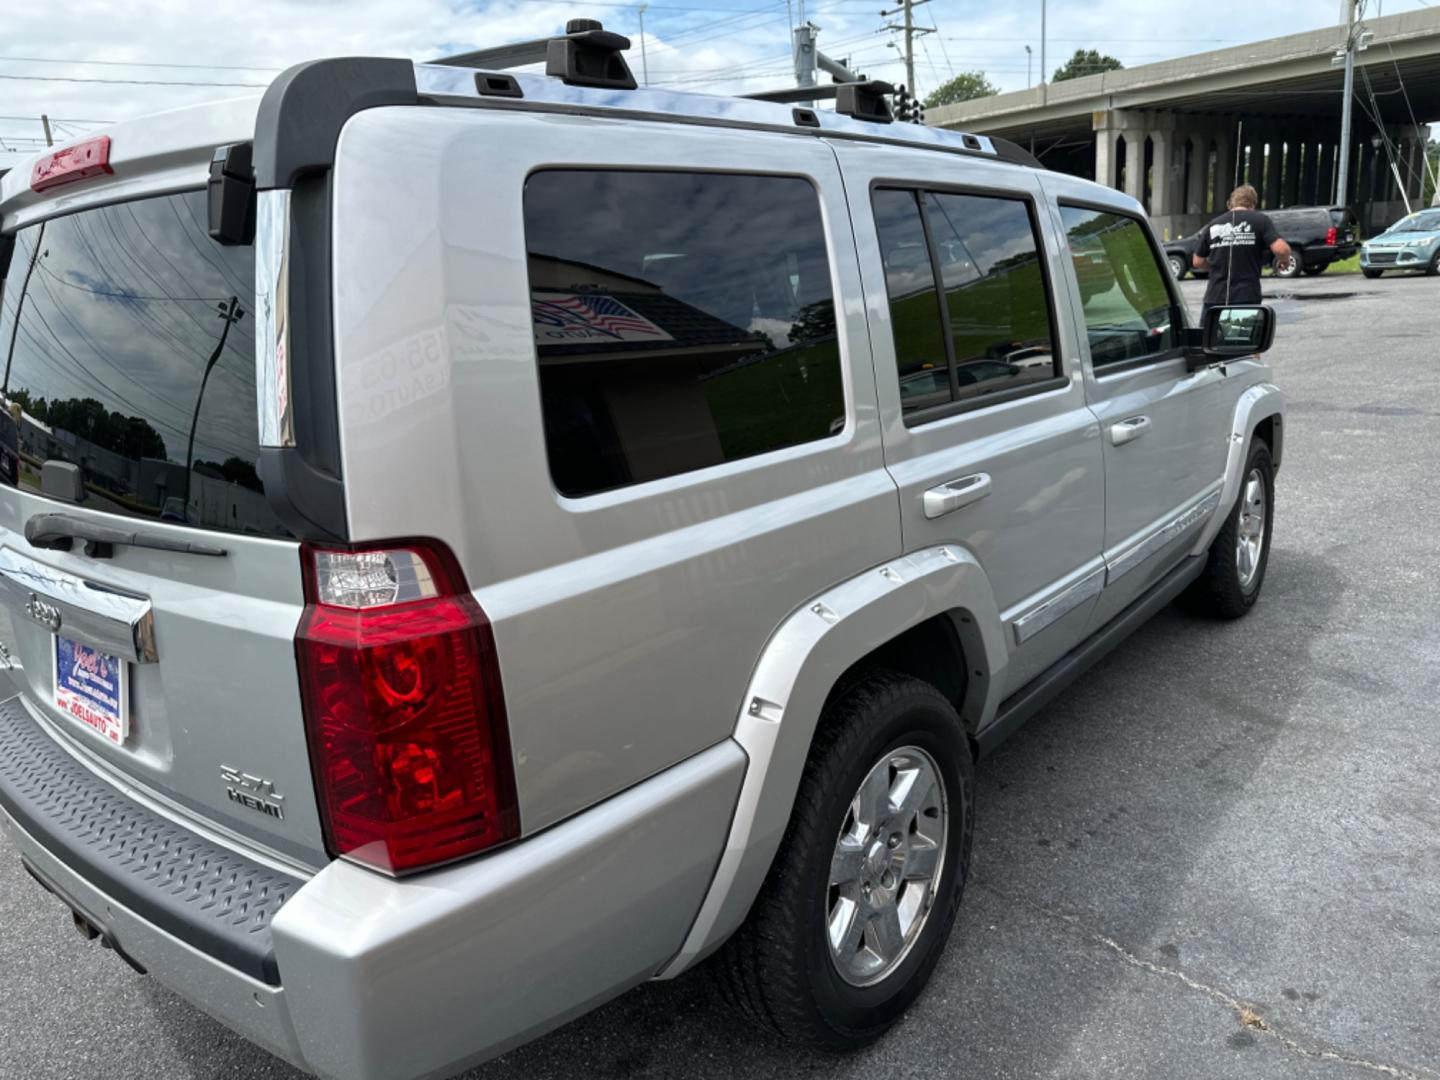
(1345, 266)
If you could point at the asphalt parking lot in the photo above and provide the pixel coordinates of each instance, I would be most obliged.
(1218, 855)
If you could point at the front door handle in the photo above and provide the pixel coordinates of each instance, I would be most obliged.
(1129, 429)
(953, 494)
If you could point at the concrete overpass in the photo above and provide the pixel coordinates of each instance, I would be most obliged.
(1178, 135)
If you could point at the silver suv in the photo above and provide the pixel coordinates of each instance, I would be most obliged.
(476, 542)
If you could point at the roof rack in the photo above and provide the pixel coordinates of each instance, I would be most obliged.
(586, 55)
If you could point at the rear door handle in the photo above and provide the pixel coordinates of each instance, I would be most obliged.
(953, 494)
(1129, 429)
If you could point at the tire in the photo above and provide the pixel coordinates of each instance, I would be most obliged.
(1292, 266)
(1316, 268)
(1432, 268)
(1223, 590)
(778, 969)
(1371, 274)
(1178, 269)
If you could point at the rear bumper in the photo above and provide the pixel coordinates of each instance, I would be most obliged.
(379, 978)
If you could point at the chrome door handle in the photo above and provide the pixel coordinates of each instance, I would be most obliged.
(953, 494)
(1129, 429)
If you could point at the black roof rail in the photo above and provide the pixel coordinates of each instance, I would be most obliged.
(585, 55)
(862, 100)
(1014, 153)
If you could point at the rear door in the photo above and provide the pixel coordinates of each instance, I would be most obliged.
(986, 429)
(128, 337)
(1162, 427)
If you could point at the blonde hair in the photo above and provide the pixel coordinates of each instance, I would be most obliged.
(1243, 197)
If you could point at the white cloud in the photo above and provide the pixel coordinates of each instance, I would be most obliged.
(720, 46)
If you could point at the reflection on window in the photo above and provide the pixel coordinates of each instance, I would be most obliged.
(1128, 311)
(682, 320)
(132, 358)
(996, 305)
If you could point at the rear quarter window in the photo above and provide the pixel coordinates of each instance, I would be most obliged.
(681, 320)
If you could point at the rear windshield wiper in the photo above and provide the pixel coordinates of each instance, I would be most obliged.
(59, 531)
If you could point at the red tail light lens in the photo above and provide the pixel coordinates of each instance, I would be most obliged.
(1331, 235)
(403, 707)
(71, 163)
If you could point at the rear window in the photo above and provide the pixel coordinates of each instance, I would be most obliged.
(681, 320)
(129, 346)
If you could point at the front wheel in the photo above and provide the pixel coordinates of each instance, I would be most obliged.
(1235, 564)
(1371, 274)
(858, 906)
(1177, 266)
(1432, 268)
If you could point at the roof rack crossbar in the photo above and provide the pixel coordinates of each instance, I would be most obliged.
(585, 55)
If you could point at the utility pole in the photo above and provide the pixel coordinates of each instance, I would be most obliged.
(231, 313)
(644, 64)
(911, 32)
(1342, 171)
(49, 138)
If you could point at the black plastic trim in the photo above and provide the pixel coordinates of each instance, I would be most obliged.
(1014, 153)
(1041, 690)
(304, 109)
(206, 895)
(488, 84)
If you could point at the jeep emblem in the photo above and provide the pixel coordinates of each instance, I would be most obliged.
(47, 615)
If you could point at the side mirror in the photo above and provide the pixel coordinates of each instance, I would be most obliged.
(1237, 331)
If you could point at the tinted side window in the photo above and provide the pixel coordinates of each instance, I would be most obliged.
(1128, 311)
(681, 320)
(993, 332)
(994, 292)
(921, 359)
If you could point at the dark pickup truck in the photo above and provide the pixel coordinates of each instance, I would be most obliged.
(1318, 235)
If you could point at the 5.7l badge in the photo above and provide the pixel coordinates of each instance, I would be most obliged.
(252, 792)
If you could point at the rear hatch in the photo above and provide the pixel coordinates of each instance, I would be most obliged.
(166, 660)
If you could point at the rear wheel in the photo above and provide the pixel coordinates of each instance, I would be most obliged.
(1290, 265)
(1371, 274)
(858, 906)
(1235, 564)
(1177, 266)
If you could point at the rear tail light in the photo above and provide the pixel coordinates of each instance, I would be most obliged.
(403, 707)
(1331, 235)
(68, 164)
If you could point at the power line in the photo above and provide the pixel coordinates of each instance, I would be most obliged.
(134, 63)
(127, 82)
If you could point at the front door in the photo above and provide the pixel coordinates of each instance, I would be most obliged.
(1163, 428)
(982, 405)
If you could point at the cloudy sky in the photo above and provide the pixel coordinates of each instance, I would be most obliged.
(88, 61)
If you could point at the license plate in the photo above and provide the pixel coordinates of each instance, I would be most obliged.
(90, 688)
(1349, 236)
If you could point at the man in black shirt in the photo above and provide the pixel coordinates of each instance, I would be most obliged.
(1232, 248)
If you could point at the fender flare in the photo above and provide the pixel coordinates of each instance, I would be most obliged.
(791, 681)
(1254, 405)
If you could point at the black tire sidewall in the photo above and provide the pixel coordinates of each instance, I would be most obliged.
(1176, 261)
(855, 1012)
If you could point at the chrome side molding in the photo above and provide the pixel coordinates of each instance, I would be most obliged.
(114, 622)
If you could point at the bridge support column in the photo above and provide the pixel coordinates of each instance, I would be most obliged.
(1197, 186)
(1274, 155)
(1325, 181)
(1290, 183)
(1165, 177)
(1109, 127)
(1309, 151)
(1226, 149)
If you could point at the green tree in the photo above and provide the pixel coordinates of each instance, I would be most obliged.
(967, 86)
(1086, 62)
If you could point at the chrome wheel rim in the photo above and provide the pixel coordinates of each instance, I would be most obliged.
(888, 859)
(1250, 534)
(1177, 267)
